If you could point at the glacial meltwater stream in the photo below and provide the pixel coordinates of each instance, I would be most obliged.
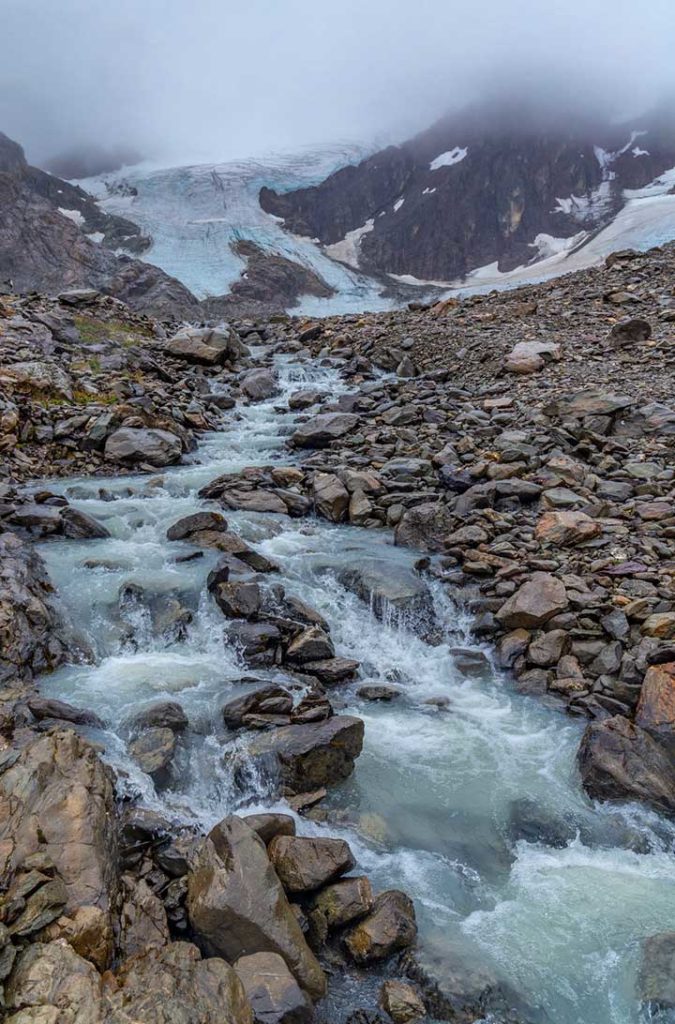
(474, 809)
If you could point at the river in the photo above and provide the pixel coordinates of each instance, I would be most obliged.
(443, 799)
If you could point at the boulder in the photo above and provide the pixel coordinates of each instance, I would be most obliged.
(656, 707)
(258, 385)
(331, 671)
(322, 429)
(206, 346)
(267, 826)
(52, 977)
(196, 523)
(331, 497)
(47, 707)
(425, 527)
(165, 714)
(79, 526)
(402, 1002)
(270, 700)
(237, 906)
(312, 755)
(153, 751)
(623, 334)
(272, 991)
(133, 445)
(240, 599)
(530, 356)
(341, 903)
(620, 761)
(388, 588)
(566, 529)
(57, 798)
(304, 863)
(310, 645)
(534, 603)
(389, 927)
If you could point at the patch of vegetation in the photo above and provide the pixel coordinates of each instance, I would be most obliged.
(95, 332)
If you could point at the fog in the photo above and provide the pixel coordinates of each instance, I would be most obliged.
(188, 80)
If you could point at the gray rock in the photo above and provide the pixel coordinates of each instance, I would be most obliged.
(136, 444)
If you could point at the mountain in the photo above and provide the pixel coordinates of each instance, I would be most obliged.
(495, 188)
(54, 236)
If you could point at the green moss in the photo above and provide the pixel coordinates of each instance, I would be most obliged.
(93, 331)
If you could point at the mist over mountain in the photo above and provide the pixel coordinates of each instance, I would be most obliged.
(210, 81)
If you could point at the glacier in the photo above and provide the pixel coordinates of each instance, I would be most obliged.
(195, 213)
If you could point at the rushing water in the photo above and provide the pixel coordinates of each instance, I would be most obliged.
(441, 797)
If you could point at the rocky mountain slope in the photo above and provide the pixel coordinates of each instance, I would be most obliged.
(504, 187)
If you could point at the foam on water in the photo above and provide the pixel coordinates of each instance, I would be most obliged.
(432, 805)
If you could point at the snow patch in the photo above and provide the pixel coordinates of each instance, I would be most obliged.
(550, 245)
(428, 191)
(73, 215)
(453, 156)
(636, 151)
(398, 204)
(418, 281)
(96, 236)
(348, 250)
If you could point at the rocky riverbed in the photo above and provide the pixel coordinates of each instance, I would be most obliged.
(195, 820)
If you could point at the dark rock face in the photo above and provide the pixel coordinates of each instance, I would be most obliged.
(475, 189)
(270, 279)
(42, 248)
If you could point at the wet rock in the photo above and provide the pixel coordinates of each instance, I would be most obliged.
(534, 603)
(310, 646)
(313, 755)
(388, 588)
(258, 642)
(237, 906)
(656, 707)
(167, 714)
(267, 826)
(268, 701)
(620, 761)
(272, 991)
(80, 526)
(322, 429)
(304, 863)
(46, 707)
(341, 903)
(153, 751)
(258, 385)
(390, 927)
(238, 600)
(377, 693)
(196, 523)
(402, 1002)
(132, 445)
(656, 979)
(331, 671)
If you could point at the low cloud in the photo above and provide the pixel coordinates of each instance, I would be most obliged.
(188, 80)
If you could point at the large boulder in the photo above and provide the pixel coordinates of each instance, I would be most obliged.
(57, 799)
(390, 927)
(534, 603)
(312, 755)
(530, 356)
(322, 429)
(305, 863)
(620, 761)
(425, 527)
(258, 385)
(272, 991)
(656, 708)
(132, 445)
(237, 905)
(207, 346)
(388, 588)
(52, 984)
(341, 903)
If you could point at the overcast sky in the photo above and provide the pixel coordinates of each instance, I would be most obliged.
(183, 80)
